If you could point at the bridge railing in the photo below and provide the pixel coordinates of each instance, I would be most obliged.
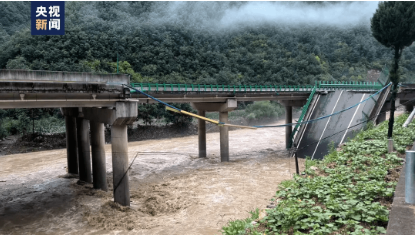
(325, 85)
(302, 115)
(353, 85)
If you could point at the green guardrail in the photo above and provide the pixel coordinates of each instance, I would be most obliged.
(327, 85)
(384, 76)
(332, 85)
(302, 115)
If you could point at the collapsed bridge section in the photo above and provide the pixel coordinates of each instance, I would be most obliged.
(314, 138)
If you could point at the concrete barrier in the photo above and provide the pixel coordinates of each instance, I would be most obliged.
(410, 177)
(62, 76)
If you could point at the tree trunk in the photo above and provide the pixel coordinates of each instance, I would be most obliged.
(394, 78)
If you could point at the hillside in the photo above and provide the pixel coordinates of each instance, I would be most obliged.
(198, 43)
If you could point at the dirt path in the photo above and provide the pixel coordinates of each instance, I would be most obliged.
(172, 190)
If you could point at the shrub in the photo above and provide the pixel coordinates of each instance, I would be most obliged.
(3, 131)
(263, 110)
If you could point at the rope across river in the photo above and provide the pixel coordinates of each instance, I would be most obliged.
(177, 110)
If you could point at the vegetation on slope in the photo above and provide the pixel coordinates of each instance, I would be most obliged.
(182, 51)
(169, 42)
(348, 192)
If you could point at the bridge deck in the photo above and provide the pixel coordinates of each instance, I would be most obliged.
(317, 136)
(38, 89)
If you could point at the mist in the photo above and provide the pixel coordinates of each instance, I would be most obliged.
(295, 13)
(226, 15)
(231, 16)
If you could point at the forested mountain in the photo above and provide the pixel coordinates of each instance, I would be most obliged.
(199, 42)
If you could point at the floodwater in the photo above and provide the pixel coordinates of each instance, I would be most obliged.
(172, 190)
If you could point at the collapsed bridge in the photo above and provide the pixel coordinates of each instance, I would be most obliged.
(89, 101)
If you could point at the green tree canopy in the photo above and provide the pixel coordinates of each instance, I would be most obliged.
(393, 25)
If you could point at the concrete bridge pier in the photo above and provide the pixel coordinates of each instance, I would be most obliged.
(71, 139)
(224, 141)
(84, 158)
(120, 159)
(124, 113)
(202, 135)
(98, 156)
(223, 109)
(289, 104)
(289, 129)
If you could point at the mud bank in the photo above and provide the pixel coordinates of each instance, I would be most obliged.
(172, 190)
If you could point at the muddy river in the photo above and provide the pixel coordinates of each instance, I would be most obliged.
(172, 190)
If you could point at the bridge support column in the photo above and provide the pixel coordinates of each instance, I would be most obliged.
(288, 106)
(123, 114)
(202, 135)
(223, 109)
(120, 164)
(98, 156)
(288, 128)
(71, 143)
(224, 144)
(84, 158)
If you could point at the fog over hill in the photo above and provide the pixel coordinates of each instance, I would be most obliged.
(205, 42)
(295, 13)
(212, 16)
(227, 15)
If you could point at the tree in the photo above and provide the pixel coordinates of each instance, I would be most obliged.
(18, 63)
(393, 25)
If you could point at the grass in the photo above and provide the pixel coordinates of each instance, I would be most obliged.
(349, 192)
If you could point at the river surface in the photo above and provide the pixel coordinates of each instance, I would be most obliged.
(172, 190)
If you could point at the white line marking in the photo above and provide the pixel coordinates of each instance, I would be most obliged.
(329, 119)
(300, 140)
(352, 120)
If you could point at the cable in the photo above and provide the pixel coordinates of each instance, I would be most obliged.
(151, 97)
(119, 182)
(137, 154)
(371, 119)
(323, 117)
(292, 151)
(172, 108)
